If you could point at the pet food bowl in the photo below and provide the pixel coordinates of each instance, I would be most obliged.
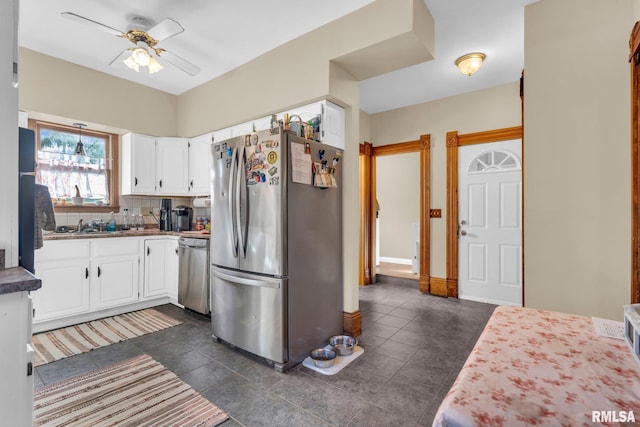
(344, 344)
(323, 357)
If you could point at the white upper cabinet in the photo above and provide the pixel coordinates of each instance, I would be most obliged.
(138, 164)
(199, 162)
(154, 166)
(172, 162)
(180, 166)
(332, 126)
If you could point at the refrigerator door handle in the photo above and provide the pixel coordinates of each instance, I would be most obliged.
(232, 232)
(245, 281)
(239, 187)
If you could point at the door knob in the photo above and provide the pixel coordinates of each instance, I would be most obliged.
(463, 233)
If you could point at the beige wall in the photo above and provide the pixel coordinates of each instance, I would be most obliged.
(576, 154)
(398, 193)
(487, 109)
(54, 87)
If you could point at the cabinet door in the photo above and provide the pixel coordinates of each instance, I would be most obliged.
(172, 163)
(64, 291)
(333, 125)
(138, 164)
(155, 259)
(115, 281)
(199, 161)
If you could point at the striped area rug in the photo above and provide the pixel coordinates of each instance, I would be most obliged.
(60, 343)
(136, 392)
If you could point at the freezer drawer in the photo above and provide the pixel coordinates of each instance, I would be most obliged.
(248, 311)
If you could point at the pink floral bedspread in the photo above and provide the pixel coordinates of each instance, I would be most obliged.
(537, 367)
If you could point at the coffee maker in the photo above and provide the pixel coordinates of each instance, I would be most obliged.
(181, 218)
(165, 215)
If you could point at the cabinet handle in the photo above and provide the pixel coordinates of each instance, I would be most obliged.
(148, 250)
(135, 181)
(86, 272)
(160, 183)
(99, 272)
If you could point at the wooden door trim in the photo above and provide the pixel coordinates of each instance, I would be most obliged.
(634, 60)
(422, 146)
(454, 141)
(367, 224)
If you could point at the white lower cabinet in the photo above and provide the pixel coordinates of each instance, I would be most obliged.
(64, 269)
(161, 268)
(115, 265)
(86, 279)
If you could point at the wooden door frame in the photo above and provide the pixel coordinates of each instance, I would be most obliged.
(634, 60)
(367, 209)
(454, 141)
(368, 234)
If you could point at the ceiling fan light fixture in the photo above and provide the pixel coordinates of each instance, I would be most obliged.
(131, 63)
(470, 63)
(140, 56)
(154, 65)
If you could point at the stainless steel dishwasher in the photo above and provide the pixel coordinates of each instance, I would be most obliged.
(193, 284)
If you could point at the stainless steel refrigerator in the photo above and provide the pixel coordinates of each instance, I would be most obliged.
(276, 245)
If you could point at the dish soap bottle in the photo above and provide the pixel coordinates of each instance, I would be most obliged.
(111, 222)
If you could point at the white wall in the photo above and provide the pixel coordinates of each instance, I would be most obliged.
(577, 176)
(398, 193)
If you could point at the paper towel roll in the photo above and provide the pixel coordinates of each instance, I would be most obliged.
(201, 203)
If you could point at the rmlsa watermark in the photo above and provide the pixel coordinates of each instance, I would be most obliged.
(613, 417)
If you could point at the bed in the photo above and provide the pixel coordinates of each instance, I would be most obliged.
(537, 367)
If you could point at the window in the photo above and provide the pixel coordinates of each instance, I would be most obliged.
(494, 161)
(94, 174)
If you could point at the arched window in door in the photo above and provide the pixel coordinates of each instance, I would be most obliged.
(494, 161)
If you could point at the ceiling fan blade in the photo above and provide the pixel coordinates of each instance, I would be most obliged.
(84, 20)
(180, 63)
(165, 29)
(121, 57)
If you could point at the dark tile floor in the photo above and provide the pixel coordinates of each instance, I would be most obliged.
(414, 345)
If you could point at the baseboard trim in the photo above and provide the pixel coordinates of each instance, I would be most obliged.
(403, 261)
(439, 286)
(452, 288)
(352, 323)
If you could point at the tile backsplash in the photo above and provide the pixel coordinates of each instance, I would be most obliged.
(137, 205)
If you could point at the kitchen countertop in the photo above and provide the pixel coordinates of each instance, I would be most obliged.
(17, 279)
(127, 233)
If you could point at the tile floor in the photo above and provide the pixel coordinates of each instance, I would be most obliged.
(414, 345)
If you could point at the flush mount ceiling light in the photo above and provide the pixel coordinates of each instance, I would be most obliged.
(79, 151)
(470, 63)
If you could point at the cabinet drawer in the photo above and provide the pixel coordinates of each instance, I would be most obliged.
(115, 247)
(62, 249)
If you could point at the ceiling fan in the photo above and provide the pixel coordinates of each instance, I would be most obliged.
(145, 38)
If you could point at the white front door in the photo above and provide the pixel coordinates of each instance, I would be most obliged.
(490, 223)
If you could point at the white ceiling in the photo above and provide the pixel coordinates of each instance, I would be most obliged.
(220, 36)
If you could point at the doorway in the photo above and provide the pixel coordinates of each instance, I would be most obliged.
(490, 226)
(454, 230)
(368, 155)
(397, 215)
